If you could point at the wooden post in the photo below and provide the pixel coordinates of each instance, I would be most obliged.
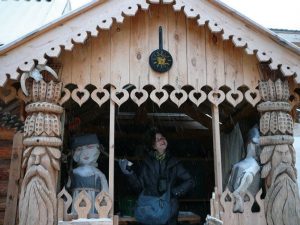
(14, 178)
(111, 151)
(217, 149)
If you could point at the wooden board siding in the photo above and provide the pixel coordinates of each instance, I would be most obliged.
(6, 142)
(120, 55)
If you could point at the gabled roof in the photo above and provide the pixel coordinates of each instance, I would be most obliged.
(76, 26)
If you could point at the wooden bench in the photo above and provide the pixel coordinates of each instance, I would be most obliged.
(183, 216)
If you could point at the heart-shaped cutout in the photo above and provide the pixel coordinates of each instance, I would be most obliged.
(119, 96)
(139, 96)
(80, 96)
(197, 97)
(159, 96)
(253, 96)
(66, 94)
(100, 96)
(234, 98)
(216, 97)
(178, 97)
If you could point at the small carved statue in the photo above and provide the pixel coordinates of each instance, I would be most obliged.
(87, 176)
(245, 175)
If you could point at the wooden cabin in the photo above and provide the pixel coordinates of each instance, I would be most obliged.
(198, 70)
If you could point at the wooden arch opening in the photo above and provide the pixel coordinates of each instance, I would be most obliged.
(210, 77)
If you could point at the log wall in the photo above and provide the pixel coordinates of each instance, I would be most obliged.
(6, 142)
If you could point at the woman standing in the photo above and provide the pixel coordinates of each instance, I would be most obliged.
(159, 172)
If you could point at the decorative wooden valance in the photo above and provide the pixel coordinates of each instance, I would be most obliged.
(159, 96)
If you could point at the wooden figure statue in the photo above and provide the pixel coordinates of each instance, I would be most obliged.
(245, 175)
(86, 176)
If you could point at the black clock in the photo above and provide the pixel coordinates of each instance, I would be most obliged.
(160, 60)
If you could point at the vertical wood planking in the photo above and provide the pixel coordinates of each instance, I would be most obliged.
(196, 54)
(14, 178)
(120, 40)
(139, 51)
(217, 149)
(158, 16)
(66, 71)
(81, 64)
(233, 62)
(177, 48)
(100, 59)
(111, 152)
(214, 60)
(251, 72)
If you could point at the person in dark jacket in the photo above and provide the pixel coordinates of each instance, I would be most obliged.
(159, 171)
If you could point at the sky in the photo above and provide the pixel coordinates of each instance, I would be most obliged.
(269, 13)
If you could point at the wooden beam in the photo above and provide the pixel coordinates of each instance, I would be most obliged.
(111, 151)
(13, 183)
(6, 134)
(196, 114)
(217, 149)
(247, 111)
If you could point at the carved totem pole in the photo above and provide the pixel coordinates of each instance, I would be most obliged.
(282, 203)
(41, 157)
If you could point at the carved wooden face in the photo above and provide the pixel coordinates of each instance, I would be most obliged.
(87, 154)
(160, 144)
(39, 156)
(281, 155)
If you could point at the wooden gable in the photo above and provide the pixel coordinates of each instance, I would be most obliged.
(219, 23)
(120, 56)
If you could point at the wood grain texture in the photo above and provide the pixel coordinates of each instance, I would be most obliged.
(6, 134)
(139, 50)
(50, 40)
(100, 59)
(214, 60)
(81, 64)
(158, 16)
(14, 179)
(120, 56)
(119, 53)
(233, 59)
(196, 54)
(177, 48)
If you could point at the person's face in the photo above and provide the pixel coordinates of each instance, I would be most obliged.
(87, 154)
(160, 144)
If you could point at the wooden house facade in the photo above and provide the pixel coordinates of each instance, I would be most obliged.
(218, 68)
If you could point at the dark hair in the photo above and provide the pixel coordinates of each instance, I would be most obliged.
(150, 136)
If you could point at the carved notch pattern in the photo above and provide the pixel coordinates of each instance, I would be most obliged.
(160, 96)
(278, 154)
(41, 158)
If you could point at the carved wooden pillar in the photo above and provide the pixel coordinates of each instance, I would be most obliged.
(282, 203)
(42, 140)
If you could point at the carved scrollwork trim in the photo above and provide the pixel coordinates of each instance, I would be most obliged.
(274, 106)
(276, 139)
(42, 141)
(44, 107)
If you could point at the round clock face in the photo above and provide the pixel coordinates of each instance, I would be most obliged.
(160, 60)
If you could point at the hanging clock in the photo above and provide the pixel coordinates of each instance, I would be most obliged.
(160, 60)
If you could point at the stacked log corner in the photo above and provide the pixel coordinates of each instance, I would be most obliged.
(41, 156)
(282, 203)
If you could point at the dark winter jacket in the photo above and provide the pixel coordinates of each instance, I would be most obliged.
(156, 175)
